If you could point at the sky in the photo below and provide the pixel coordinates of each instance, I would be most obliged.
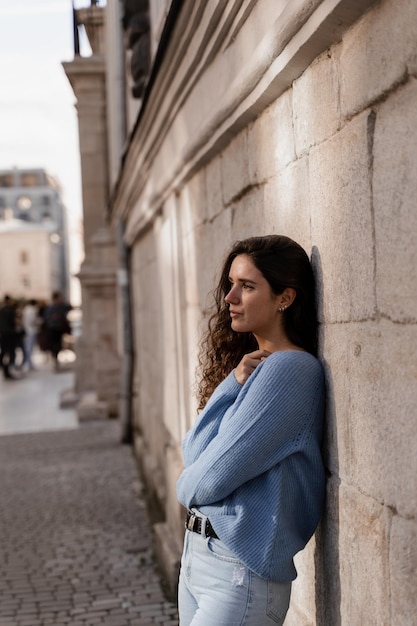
(38, 119)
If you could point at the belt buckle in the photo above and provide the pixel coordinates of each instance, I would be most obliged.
(191, 521)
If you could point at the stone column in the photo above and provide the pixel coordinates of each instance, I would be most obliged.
(97, 370)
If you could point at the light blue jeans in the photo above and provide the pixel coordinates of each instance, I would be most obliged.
(216, 589)
(29, 341)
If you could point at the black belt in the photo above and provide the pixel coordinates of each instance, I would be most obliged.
(194, 523)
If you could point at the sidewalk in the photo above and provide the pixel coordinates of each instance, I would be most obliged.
(75, 536)
(31, 404)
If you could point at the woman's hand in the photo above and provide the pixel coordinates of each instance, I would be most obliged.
(248, 365)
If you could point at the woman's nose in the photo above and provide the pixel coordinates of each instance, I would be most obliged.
(232, 295)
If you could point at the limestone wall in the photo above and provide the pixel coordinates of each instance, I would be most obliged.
(330, 161)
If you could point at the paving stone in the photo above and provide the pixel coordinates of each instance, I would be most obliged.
(76, 541)
(115, 621)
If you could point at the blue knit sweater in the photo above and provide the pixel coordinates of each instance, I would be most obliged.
(253, 464)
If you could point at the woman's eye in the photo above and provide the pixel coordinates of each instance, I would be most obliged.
(247, 287)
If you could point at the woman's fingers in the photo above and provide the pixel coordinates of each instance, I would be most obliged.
(248, 364)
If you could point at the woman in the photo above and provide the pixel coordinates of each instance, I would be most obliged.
(254, 480)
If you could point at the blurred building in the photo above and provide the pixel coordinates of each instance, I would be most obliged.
(33, 235)
(97, 380)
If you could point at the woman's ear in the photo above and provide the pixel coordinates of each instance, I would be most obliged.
(286, 298)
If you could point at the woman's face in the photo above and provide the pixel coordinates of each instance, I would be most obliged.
(253, 306)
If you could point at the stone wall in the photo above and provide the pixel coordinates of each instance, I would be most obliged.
(330, 161)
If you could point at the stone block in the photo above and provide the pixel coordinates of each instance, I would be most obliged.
(149, 366)
(195, 191)
(316, 107)
(212, 244)
(395, 192)
(371, 407)
(412, 65)
(84, 371)
(303, 588)
(90, 408)
(68, 399)
(167, 555)
(190, 315)
(247, 217)
(286, 205)
(375, 53)
(188, 260)
(145, 253)
(271, 140)
(295, 617)
(150, 397)
(190, 321)
(153, 473)
(327, 558)
(214, 190)
(403, 569)
(174, 511)
(342, 227)
(335, 347)
(363, 545)
(235, 168)
(383, 375)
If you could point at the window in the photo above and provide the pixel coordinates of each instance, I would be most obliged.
(30, 179)
(6, 180)
(24, 257)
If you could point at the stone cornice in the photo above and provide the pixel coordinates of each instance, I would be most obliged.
(220, 72)
(98, 276)
(83, 74)
(84, 66)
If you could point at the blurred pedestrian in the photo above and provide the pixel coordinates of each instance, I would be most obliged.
(19, 338)
(42, 338)
(56, 324)
(30, 323)
(7, 336)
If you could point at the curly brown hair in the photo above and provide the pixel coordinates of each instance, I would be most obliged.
(284, 263)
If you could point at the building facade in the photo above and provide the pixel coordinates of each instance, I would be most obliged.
(292, 117)
(97, 369)
(34, 244)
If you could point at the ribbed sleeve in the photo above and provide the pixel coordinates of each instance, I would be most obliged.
(207, 425)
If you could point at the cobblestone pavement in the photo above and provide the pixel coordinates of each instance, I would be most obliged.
(75, 537)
